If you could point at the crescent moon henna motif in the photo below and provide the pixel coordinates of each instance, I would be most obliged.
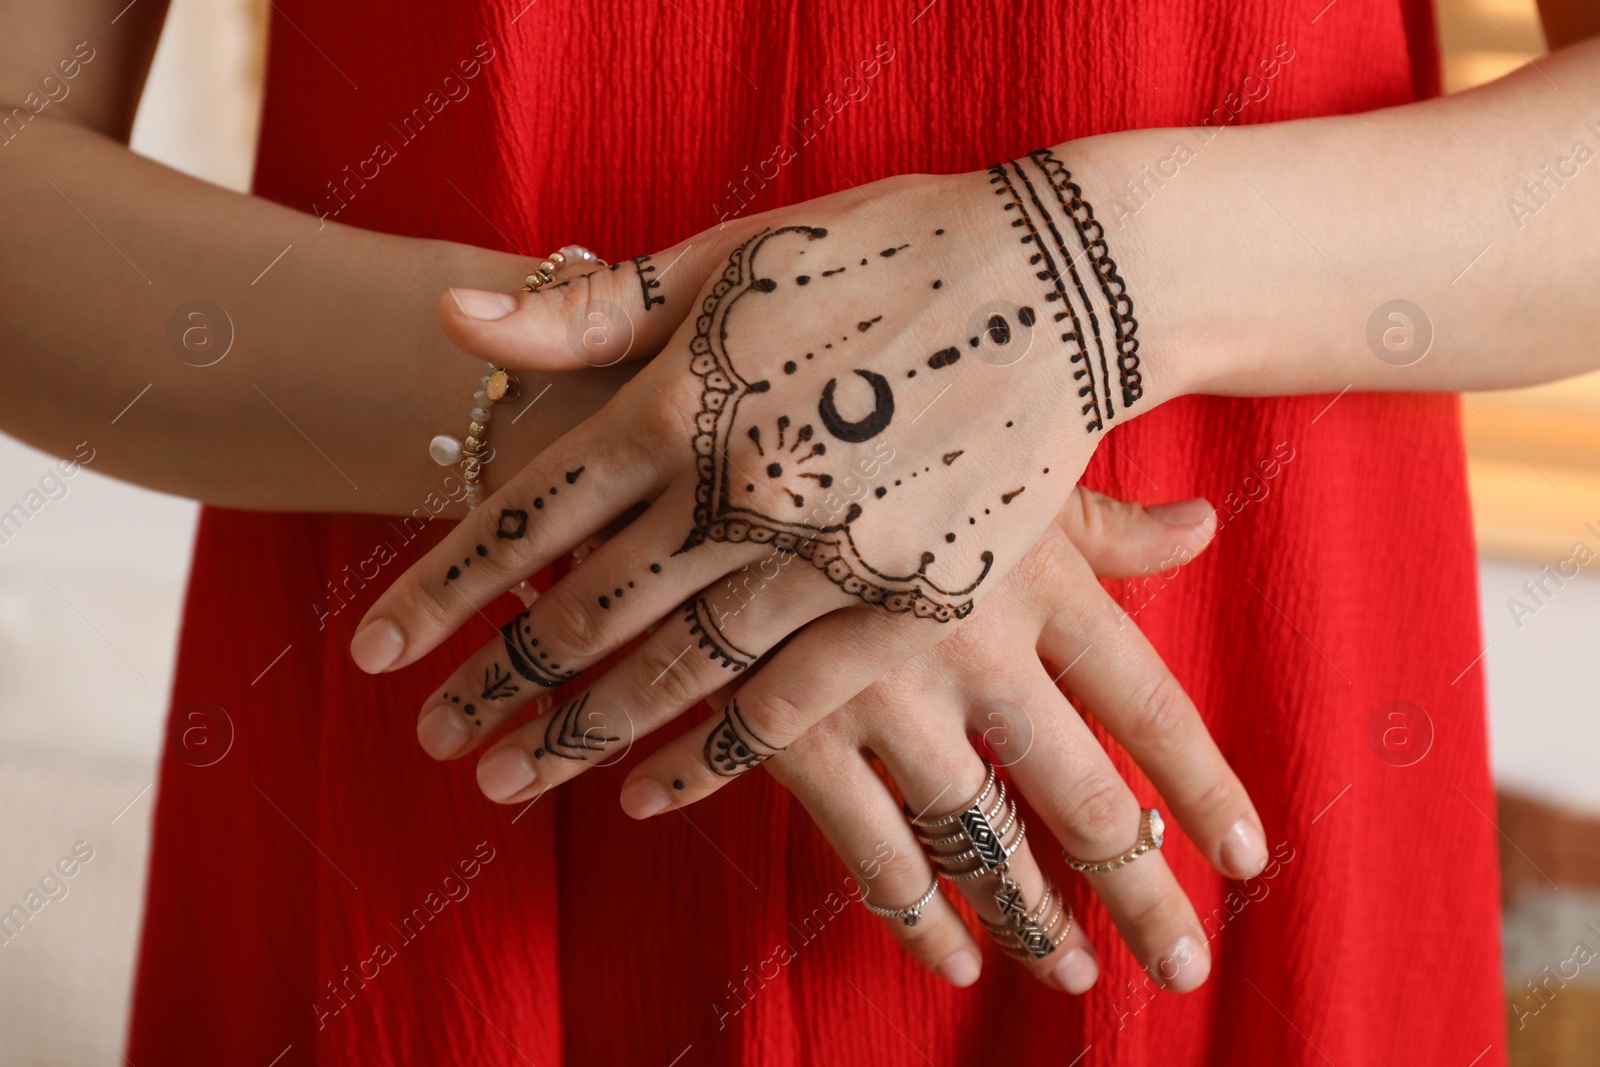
(729, 506)
(868, 428)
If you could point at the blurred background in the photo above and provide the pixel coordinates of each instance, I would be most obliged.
(91, 588)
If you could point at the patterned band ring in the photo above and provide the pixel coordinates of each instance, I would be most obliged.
(1152, 831)
(910, 915)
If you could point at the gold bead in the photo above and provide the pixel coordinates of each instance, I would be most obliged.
(557, 258)
(502, 386)
(476, 429)
(472, 446)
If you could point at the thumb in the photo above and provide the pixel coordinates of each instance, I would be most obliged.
(1123, 539)
(625, 311)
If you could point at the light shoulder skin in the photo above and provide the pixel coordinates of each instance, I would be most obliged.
(338, 375)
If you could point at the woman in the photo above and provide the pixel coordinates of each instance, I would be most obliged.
(305, 888)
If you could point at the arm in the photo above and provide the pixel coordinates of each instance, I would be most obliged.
(337, 343)
(1259, 265)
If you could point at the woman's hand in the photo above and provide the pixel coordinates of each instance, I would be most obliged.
(866, 410)
(996, 680)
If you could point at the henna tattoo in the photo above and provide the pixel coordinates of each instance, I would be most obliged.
(526, 658)
(866, 428)
(733, 748)
(563, 738)
(466, 561)
(497, 685)
(701, 617)
(469, 710)
(1091, 235)
(513, 525)
(731, 404)
(1041, 257)
(646, 283)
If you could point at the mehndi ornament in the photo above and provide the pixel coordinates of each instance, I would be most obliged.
(978, 841)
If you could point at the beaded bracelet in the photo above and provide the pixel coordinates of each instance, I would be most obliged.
(498, 386)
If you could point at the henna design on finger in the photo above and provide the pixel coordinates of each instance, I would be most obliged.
(646, 283)
(563, 738)
(455, 572)
(527, 659)
(733, 748)
(701, 617)
(513, 525)
(497, 684)
(469, 710)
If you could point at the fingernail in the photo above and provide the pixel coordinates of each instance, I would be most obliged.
(505, 773)
(643, 798)
(1244, 851)
(376, 645)
(484, 306)
(1075, 973)
(1184, 968)
(1181, 512)
(443, 732)
(960, 970)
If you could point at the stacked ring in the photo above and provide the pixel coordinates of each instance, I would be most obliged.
(911, 915)
(1152, 831)
(977, 841)
(1046, 926)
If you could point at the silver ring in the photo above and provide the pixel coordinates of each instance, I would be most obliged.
(977, 839)
(911, 915)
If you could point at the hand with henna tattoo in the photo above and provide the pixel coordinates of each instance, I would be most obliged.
(882, 396)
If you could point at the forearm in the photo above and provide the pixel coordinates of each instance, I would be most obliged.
(337, 374)
(1257, 263)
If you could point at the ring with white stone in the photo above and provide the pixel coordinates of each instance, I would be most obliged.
(910, 915)
(1152, 831)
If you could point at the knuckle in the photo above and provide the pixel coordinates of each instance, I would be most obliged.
(569, 624)
(1099, 808)
(1155, 912)
(430, 606)
(1160, 715)
(772, 716)
(665, 678)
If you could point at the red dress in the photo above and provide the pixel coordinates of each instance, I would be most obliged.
(327, 893)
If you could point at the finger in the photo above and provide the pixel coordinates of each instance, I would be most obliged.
(1074, 787)
(940, 774)
(858, 815)
(819, 670)
(1110, 665)
(626, 311)
(567, 494)
(690, 656)
(1122, 539)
